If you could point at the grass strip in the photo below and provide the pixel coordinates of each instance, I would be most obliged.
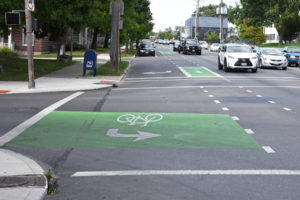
(16, 69)
(107, 70)
(277, 45)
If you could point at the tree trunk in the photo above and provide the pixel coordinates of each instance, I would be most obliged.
(137, 44)
(95, 35)
(106, 40)
(131, 45)
(126, 46)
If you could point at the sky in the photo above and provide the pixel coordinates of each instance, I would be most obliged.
(171, 13)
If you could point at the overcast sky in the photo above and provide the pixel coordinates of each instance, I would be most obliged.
(171, 13)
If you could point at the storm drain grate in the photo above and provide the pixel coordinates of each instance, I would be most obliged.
(22, 181)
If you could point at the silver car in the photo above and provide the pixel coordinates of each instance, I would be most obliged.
(270, 57)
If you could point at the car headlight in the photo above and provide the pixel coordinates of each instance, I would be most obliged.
(142, 51)
(188, 48)
(231, 57)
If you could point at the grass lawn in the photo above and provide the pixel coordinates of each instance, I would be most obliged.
(16, 69)
(276, 45)
(75, 53)
(130, 53)
(106, 70)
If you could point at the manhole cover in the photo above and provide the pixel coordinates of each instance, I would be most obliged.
(17, 181)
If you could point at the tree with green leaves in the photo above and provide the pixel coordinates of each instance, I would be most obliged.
(278, 12)
(211, 36)
(254, 35)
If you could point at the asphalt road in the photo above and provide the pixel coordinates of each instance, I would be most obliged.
(213, 135)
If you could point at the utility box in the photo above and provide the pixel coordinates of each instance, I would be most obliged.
(90, 61)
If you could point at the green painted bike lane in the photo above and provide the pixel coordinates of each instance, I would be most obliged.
(198, 72)
(64, 129)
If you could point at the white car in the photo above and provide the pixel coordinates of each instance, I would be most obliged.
(215, 47)
(203, 44)
(237, 56)
(270, 57)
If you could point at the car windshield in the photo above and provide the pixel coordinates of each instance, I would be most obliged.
(192, 42)
(271, 52)
(239, 49)
(146, 45)
(215, 45)
(294, 50)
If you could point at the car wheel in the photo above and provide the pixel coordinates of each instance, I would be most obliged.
(219, 64)
(226, 69)
(184, 52)
(254, 70)
(284, 68)
(200, 52)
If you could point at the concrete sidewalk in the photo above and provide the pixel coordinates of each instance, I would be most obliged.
(15, 171)
(67, 79)
(21, 178)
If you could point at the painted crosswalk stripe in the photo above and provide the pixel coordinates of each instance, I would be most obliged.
(245, 172)
(268, 149)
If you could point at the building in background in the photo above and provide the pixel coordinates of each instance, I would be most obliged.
(206, 25)
(272, 34)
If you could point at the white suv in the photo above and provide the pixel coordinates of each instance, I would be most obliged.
(237, 56)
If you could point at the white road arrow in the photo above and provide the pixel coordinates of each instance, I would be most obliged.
(152, 73)
(141, 136)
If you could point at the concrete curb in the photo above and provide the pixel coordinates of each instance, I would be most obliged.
(14, 164)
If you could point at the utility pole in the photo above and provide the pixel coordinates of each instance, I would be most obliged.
(115, 9)
(28, 5)
(221, 23)
(197, 19)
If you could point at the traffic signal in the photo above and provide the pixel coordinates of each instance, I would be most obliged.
(12, 18)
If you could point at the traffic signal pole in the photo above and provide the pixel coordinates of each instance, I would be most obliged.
(221, 24)
(31, 83)
(115, 35)
(197, 20)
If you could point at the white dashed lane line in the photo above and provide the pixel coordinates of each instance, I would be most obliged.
(272, 102)
(236, 118)
(249, 131)
(225, 109)
(287, 109)
(268, 149)
(217, 101)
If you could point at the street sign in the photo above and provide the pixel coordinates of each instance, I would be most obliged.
(30, 5)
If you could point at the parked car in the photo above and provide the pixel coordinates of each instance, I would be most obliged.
(145, 49)
(215, 47)
(237, 56)
(203, 44)
(271, 57)
(176, 44)
(190, 46)
(292, 54)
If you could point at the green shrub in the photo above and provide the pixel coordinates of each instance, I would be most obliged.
(7, 52)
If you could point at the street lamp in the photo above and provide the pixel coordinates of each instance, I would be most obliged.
(197, 18)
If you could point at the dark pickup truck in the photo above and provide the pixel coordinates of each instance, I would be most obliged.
(190, 46)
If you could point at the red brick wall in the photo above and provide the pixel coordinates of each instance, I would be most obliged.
(40, 45)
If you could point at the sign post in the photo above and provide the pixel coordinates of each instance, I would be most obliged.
(29, 7)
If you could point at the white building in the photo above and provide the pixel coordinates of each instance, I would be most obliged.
(272, 34)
